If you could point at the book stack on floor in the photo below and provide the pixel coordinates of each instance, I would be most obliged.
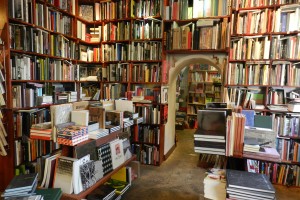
(210, 136)
(247, 185)
(215, 184)
(23, 185)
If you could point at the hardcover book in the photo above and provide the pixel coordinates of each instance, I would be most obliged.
(250, 181)
(117, 153)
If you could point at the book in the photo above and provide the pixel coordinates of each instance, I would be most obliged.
(252, 182)
(263, 121)
(23, 182)
(80, 117)
(117, 153)
(50, 193)
(87, 148)
(102, 192)
(64, 174)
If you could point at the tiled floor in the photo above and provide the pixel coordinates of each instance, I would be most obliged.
(179, 178)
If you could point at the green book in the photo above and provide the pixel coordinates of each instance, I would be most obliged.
(50, 193)
(263, 121)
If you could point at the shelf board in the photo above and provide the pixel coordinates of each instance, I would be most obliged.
(145, 61)
(43, 81)
(192, 114)
(146, 83)
(290, 137)
(105, 178)
(115, 41)
(147, 40)
(196, 19)
(189, 51)
(254, 8)
(147, 143)
(200, 104)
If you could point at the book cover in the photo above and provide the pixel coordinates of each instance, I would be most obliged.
(50, 193)
(87, 174)
(250, 181)
(117, 153)
(64, 174)
(263, 121)
(80, 117)
(22, 182)
(211, 122)
(88, 148)
(249, 114)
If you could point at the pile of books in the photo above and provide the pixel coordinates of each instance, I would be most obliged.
(247, 185)
(50, 193)
(41, 131)
(210, 136)
(112, 128)
(72, 135)
(104, 192)
(99, 133)
(23, 185)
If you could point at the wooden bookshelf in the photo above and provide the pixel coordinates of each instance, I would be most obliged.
(83, 194)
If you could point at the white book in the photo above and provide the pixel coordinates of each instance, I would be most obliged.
(117, 153)
(80, 117)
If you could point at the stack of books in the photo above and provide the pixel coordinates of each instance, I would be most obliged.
(210, 136)
(23, 185)
(72, 135)
(41, 131)
(104, 192)
(99, 133)
(247, 185)
(127, 123)
(251, 145)
(138, 120)
(50, 193)
(112, 128)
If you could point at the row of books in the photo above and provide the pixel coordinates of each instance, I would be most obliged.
(150, 114)
(205, 34)
(236, 4)
(249, 74)
(147, 134)
(114, 91)
(148, 29)
(288, 149)
(146, 154)
(270, 20)
(37, 68)
(121, 72)
(34, 94)
(53, 20)
(278, 173)
(89, 54)
(116, 31)
(184, 9)
(146, 72)
(261, 47)
(286, 125)
(277, 74)
(36, 40)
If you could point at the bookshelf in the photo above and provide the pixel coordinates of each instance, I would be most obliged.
(204, 86)
(78, 50)
(261, 73)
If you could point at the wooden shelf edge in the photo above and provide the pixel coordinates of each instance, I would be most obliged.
(105, 178)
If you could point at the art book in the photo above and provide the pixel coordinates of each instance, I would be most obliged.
(117, 153)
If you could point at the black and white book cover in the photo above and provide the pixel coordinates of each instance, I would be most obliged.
(87, 174)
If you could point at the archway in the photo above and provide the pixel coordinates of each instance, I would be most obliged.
(177, 63)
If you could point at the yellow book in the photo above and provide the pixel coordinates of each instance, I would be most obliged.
(120, 175)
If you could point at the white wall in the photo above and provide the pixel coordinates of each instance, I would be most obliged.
(177, 62)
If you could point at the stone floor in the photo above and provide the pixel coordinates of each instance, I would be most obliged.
(179, 178)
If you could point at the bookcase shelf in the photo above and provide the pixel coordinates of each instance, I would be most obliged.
(202, 51)
(83, 194)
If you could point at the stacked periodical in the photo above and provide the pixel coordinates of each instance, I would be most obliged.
(23, 185)
(210, 136)
(99, 133)
(247, 185)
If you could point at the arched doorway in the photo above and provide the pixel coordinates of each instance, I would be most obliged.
(177, 62)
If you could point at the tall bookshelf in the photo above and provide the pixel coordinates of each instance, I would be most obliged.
(263, 71)
(81, 50)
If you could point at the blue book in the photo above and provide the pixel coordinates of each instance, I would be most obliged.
(283, 21)
(249, 114)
